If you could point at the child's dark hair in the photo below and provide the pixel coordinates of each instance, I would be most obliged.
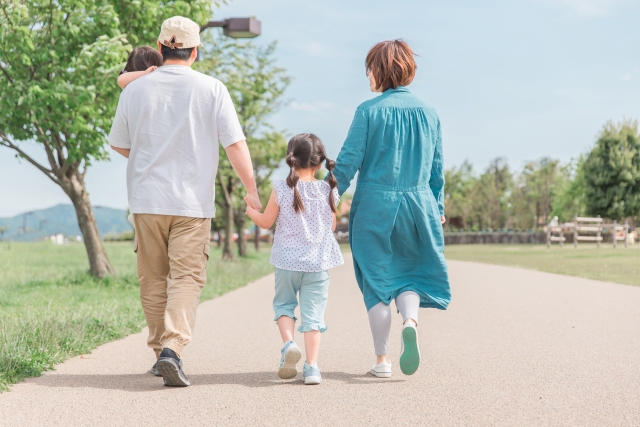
(142, 58)
(306, 151)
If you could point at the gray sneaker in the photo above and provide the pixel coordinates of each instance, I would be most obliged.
(311, 374)
(291, 355)
(154, 370)
(169, 366)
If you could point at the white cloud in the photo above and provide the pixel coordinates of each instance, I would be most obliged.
(312, 107)
(628, 76)
(589, 7)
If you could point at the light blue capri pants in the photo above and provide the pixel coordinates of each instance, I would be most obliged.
(313, 288)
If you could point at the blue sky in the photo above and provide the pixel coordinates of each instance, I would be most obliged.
(521, 79)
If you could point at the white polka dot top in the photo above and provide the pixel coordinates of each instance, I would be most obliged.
(304, 241)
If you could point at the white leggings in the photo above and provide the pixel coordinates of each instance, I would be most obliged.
(408, 304)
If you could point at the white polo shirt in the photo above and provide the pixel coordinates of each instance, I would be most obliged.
(172, 120)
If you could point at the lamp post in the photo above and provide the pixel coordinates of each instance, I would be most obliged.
(237, 28)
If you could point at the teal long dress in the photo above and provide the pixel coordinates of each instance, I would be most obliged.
(395, 233)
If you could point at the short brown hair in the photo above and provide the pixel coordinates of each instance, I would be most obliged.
(142, 58)
(392, 64)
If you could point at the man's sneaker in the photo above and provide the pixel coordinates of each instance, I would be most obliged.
(169, 366)
(311, 374)
(382, 370)
(154, 370)
(291, 355)
(409, 350)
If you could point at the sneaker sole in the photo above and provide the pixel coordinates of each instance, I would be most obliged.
(154, 372)
(288, 369)
(312, 380)
(410, 358)
(173, 376)
(381, 374)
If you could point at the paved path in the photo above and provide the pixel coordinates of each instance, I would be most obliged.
(516, 348)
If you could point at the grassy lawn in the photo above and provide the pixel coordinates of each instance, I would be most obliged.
(51, 309)
(618, 265)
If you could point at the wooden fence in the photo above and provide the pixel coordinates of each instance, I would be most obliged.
(582, 224)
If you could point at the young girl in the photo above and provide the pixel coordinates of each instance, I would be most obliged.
(142, 60)
(304, 248)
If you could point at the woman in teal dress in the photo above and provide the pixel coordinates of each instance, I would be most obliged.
(395, 224)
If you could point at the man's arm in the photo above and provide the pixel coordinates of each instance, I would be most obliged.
(238, 154)
(124, 151)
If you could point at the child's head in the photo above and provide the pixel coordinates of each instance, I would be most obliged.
(142, 58)
(306, 151)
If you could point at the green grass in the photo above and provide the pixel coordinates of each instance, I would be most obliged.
(618, 265)
(52, 309)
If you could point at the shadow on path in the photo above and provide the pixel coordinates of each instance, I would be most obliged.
(147, 382)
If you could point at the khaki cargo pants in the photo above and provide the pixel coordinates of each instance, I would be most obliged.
(172, 269)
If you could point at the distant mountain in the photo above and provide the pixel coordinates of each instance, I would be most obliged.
(62, 219)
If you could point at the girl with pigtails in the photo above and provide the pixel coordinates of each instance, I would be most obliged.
(304, 249)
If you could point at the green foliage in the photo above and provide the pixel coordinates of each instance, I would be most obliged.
(500, 199)
(612, 172)
(570, 199)
(59, 65)
(51, 309)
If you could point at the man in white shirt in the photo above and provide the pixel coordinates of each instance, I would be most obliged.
(168, 124)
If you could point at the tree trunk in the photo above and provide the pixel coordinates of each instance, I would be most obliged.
(240, 222)
(99, 264)
(227, 252)
(227, 191)
(256, 239)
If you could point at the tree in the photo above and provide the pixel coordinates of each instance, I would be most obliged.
(58, 66)
(494, 189)
(570, 199)
(535, 190)
(458, 186)
(612, 172)
(257, 87)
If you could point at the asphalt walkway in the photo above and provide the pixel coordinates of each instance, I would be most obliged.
(515, 348)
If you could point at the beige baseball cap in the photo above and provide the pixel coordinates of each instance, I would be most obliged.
(179, 32)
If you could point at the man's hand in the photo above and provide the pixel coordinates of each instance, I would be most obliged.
(238, 154)
(442, 219)
(253, 201)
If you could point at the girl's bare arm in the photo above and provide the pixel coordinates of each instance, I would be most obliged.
(264, 220)
(126, 78)
(334, 222)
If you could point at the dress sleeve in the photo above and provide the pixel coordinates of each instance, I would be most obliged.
(436, 182)
(351, 155)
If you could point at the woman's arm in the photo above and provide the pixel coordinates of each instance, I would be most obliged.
(126, 78)
(264, 220)
(436, 182)
(351, 155)
(334, 222)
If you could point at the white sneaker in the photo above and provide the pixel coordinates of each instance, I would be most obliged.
(382, 370)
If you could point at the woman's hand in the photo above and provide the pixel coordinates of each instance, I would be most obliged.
(442, 219)
(150, 69)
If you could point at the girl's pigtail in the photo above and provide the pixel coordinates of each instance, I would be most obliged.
(333, 183)
(292, 182)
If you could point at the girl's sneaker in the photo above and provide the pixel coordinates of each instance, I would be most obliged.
(291, 355)
(409, 350)
(382, 370)
(311, 374)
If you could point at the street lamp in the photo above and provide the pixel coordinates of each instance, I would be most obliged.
(237, 28)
